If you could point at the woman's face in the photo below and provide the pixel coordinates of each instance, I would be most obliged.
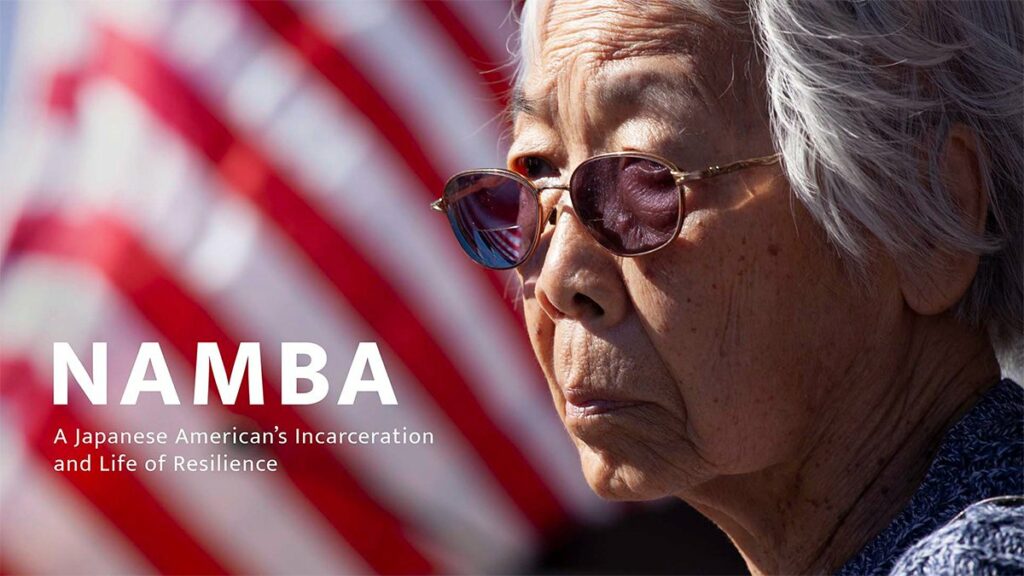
(716, 355)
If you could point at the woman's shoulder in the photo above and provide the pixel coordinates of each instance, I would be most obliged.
(986, 538)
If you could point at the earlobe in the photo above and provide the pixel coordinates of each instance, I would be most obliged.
(940, 280)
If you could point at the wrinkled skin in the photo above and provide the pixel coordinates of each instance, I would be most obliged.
(688, 332)
(737, 356)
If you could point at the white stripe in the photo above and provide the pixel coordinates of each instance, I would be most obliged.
(492, 24)
(228, 512)
(60, 47)
(49, 528)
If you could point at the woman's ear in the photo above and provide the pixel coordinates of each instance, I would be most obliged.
(936, 284)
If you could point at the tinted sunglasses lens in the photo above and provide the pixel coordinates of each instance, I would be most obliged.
(629, 203)
(494, 218)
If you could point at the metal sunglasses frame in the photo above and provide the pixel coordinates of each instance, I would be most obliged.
(681, 178)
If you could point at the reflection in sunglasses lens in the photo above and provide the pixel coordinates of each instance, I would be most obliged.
(494, 218)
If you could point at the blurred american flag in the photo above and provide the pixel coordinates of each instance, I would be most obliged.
(258, 171)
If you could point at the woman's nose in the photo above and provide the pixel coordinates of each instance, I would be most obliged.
(579, 279)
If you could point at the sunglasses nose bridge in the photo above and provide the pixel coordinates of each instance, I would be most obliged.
(552, 214)
(554, 187)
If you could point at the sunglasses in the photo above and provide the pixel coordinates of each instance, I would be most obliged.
(631, 203)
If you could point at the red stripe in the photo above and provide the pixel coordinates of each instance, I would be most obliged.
(251, 175)
(62, 92)
(119, 496)
(110, 248)
(7, 567)
(486, 64)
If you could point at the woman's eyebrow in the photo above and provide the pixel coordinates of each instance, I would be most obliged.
(652, 88)
(520, 103)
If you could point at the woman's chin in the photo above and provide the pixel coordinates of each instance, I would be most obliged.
(614, 477)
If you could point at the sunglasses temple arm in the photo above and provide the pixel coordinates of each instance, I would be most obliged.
(713, 171)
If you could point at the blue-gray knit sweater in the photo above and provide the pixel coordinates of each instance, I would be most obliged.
(954, 523)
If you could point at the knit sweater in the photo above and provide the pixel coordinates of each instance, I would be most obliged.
(960, 521)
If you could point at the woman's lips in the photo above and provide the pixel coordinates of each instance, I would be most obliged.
(594, 407)
(579, 403)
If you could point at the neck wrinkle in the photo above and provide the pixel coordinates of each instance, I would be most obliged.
(815, 512)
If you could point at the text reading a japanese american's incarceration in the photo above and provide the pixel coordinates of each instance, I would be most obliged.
(101, 450)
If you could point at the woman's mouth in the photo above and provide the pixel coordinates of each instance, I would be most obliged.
(594, 407)
(580, 403)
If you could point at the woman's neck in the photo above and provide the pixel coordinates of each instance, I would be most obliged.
(862, 461)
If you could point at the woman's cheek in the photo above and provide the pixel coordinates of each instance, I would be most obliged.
(542, 333)
(694, 319)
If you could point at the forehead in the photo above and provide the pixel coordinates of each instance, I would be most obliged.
(566, 30)
(573, 45)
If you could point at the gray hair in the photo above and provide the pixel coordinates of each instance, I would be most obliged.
(861, 93)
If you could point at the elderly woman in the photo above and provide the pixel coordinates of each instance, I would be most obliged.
(769, 252)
